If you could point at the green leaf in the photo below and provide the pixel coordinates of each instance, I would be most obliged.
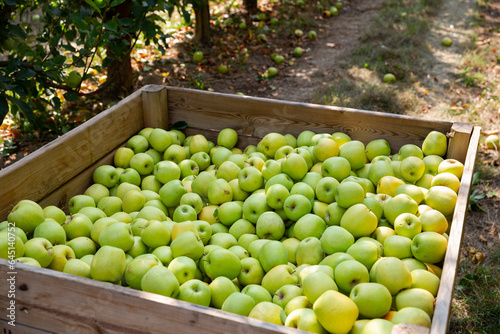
(25, 73)
(4, 107)
(93, 5)
(82, 25)
(111, 25)
(25, 108)
(179, 125)
(16, 30)
(71, 96)
(116, 3)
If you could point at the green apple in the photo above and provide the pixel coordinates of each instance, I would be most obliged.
(325, 189)
(304, 138)
(271, 168)
(221, 262)
(138, 248)
(397, 246)
(432, 163)
(118, 235)
(171, 193)
(143, 163)
(221, 288)
(37, 248)
(350, 273)
(54, 212)
(106, 175)
(359, 220)
(184, 268)
(447, 180)
(52, 231)
(433, 221)
(78, 202)
(415, 297)
(441, 198)
(165, 171)
(26, 215)
(201, 182)
(222, 238)
(399, 204)
(184, 213)
(29, 261)
(325, 148)
(389, 78)
(123, 188)
(492, 142)
(219, 192)
(304, 319)
(228, 170)
(336, 312)
(377, 147)
(412, 315)
(196, 292)
(138, 143)
(137, 268)
(295, 166)
(82, 246)
(254, 206)
(435, 143)
(429, 247)
(62, 254)
(257, 292)
(77, 225)
(133, 201)
(411, 190)
(152, 213)
(381, 326)
(227, 138)
(349, 193)
(373, 299)
(271, 254)
(392, 273)
(268, 311)
(204, 230)
(277, 277)
(388, 185)
(122, 157)
(219, 154)
(187, 244)
(309, 251)
(296, 206)
(424, 279)
(251, 271)
(407, 225)
(365, 251)
(164, 254)
(209, 214)
(317, 283)
(238, 303)
(250, 179)
(157, 156)
(110, 205)
(155, 234)
(96, 191)
(272, 142)
(240, 227)
(160, 280)
(412, 169)
(408, 150)
(150, 183)
(176, 153)
(159, 139)
(198, 56)
(336, 239)
(378, 170)
(202, 159)
(77, 267)
(280, 178)
(309, 225)
(198, 143)
(333, 214)
(354, 152)
(276, 195)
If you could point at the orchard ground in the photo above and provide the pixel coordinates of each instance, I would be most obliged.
(344, 66)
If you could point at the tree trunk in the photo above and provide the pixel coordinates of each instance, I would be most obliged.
(120, 70)
(202, 31)
(250, 6)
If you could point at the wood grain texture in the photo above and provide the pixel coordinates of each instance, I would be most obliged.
(459, 141)
(255, 117)
(56, 163)
(63, 303)
(76, 185)
(445, 294)
(154, 101)
(19, 329)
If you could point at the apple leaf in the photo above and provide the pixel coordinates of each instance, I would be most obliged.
(180, 125)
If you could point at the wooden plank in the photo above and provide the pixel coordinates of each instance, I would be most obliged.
(257, 116)
(62, 159)
(19, 329)
(76, 185)
(445, 293)
(155, 105)
(459, 141)
(113, 309)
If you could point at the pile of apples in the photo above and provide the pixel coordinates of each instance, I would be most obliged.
(319, 232)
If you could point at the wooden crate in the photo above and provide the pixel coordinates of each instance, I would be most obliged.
(50, 301)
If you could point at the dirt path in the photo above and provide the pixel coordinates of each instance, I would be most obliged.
(314, 73)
